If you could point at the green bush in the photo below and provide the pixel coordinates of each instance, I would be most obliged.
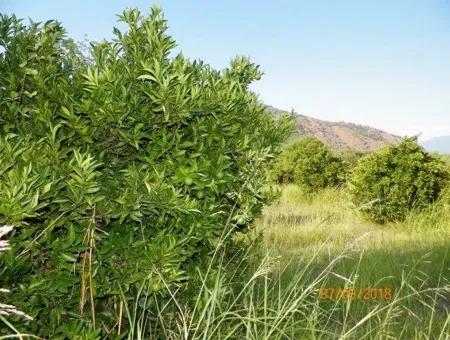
(351, 157)
(310, 164)
(120, 167)
(389, 183)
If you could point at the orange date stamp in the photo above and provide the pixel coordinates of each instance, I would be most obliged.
(364, 294)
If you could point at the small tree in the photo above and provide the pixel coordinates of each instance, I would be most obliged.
(120, 167)
(310, 164)
(393, 181)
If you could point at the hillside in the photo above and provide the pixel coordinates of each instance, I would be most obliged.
(341, 135)
(439, 144)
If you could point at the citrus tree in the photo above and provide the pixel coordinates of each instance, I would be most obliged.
(389, 183)
(310, 164)
(123, 166)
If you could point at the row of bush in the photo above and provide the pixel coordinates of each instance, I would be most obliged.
(385, 185)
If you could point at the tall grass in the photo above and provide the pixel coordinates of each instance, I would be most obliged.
(271, 290)
(266, 306)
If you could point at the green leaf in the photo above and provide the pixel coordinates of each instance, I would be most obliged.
(30, 71)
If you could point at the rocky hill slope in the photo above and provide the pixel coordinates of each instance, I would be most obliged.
(341, 135)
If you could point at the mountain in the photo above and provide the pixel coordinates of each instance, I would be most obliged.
(340, 135)
(439, 144)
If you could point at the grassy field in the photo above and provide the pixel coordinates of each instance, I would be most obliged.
(307, 244)
(411, 259)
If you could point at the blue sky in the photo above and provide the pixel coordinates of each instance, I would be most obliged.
(380, 63)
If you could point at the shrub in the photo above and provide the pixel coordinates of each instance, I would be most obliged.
(119, 168)
(393, 181)
(309, 164)
(351, 157)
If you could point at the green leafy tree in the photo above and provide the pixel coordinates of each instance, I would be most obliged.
(120, 167)
(389, 183)
(310, 164)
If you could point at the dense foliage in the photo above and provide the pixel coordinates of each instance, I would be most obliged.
(351, 157)
(391, 182)
(118, 167)
(310, 164)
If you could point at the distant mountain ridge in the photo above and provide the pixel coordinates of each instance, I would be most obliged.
(341, 135)
(438, 144)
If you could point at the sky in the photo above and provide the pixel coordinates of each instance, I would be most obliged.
(384, 63)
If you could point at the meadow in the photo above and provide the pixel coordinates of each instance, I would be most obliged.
(410, 258)
(271, 287)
